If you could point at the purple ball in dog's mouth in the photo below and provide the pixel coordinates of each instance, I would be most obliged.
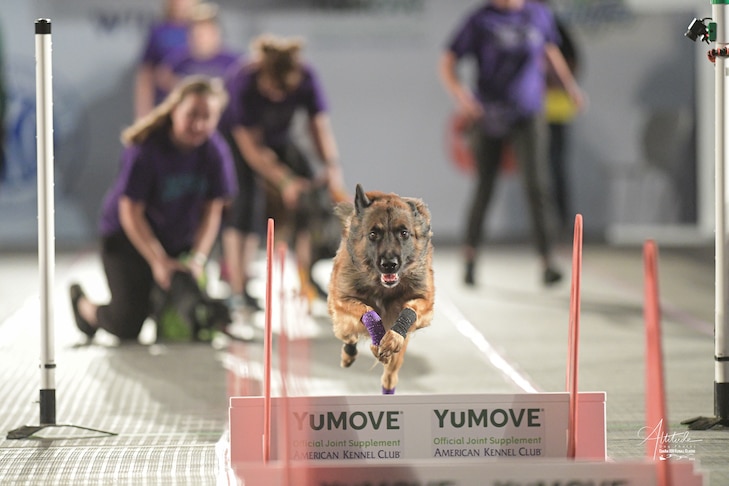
(389, 279)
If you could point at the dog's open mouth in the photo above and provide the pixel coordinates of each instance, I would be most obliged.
(389, 279)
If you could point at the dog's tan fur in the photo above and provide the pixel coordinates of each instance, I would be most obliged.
(380, 224)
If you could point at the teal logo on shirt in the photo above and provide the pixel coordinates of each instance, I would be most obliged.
(182, 185)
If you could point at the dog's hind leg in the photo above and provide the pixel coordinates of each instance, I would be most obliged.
(392, 367)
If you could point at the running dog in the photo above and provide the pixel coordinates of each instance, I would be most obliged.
(381, 284)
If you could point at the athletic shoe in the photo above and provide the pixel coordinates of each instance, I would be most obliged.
(551, 276)
(469, 278)
(83, 325)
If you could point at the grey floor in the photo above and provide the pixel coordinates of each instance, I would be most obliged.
(167, 404)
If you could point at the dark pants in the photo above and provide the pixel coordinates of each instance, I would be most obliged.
(528, 138)
(247, 211)
(557, 164)
(130, 281)
(297, 161)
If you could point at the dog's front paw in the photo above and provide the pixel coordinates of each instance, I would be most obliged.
(389, 345)
(376, 353)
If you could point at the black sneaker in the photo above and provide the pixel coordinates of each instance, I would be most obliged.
(551, 276)
(82, 324)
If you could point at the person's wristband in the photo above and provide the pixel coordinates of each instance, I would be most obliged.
(199, 258)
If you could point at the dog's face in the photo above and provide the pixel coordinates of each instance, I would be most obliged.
(387, 234)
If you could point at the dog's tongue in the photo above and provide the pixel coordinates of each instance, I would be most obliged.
(389, 277)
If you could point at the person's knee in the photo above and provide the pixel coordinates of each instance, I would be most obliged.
(123, 323)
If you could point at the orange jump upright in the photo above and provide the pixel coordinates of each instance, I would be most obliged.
(574, 337)
(655, 393)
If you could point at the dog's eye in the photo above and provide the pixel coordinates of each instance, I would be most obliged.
(372, 236)
(404, 234)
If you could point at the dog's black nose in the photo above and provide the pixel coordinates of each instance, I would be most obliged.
(389, 264)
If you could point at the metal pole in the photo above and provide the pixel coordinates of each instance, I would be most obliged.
(46, 236)
(46, 229)
(721, 348)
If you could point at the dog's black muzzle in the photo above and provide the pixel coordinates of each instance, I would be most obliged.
(388, 266)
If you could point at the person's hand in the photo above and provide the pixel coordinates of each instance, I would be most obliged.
(578, 97)
(334, 181)
(163, 269)
(292, 190)
(468, 106)
(196, 265)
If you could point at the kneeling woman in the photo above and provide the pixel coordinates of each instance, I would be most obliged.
(176, 175)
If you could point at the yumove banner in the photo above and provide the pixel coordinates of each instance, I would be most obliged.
(435, 427)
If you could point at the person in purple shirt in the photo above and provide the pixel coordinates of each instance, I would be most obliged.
(175, 177)
(204, 52)
(163, 37)
(510, 41)
(265, 95)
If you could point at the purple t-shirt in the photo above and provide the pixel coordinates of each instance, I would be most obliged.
(162, 39)
(248, 107)
(508, 47)
(182, 63)
(173, 184)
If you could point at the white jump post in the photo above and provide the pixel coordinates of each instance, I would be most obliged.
(721, 325)
(717, 32)
(46, 236)
(46, 227)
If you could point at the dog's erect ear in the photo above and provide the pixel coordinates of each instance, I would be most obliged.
(422, 214)
(360, 199)
(344, 211)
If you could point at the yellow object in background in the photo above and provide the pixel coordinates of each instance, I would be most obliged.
(558, 106)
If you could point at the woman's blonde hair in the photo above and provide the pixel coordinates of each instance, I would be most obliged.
(278, 57)
(160, 116)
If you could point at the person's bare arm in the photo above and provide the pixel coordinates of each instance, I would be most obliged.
(326, 145)
(165, 78)
(206, 234)
(264, 161)
(135, 225)
(564, 74)
(144, 90)
(261, 158)
(466, 102)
